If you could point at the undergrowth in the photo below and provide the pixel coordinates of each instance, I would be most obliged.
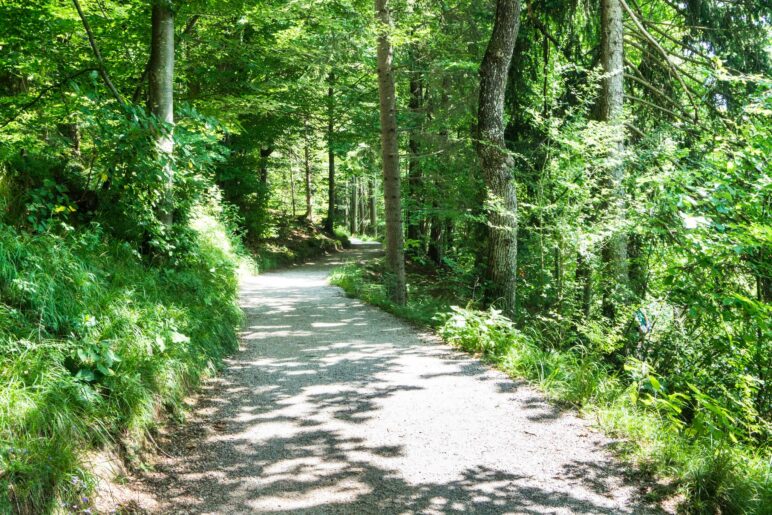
(708, 465)
(95, 341)
(292, 241)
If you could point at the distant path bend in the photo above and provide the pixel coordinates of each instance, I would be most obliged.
(332, 406)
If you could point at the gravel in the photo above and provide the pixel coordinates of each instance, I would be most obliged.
(333, 406)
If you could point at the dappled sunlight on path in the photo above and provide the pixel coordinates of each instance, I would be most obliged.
(332, 406)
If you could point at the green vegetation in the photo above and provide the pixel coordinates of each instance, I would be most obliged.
(598, 171)
(710, 460)
(94, 343)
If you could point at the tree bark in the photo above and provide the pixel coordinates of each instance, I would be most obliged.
(161, 97)
(373, 209)
(262, 172)
(309, 186)
(329, 223)
(437, 241)
(395, 252)
(354, 207)
(614, 254)
(497, 162)
(415, 105)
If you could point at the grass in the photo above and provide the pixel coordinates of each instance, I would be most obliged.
(710, 474)
(94, 344)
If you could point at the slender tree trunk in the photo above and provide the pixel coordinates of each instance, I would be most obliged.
(329, 223)
(353, 207)
(616, 281)
(584, 280)
(395, 252)
(497, 163)
(414, 164)
(373, 209)
(292, 192)
(309, 185)
(161, 96)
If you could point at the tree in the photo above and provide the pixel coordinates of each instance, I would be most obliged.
(161, 96)
(395, 253)
(497, 162)
(329, 223)
(611, 104)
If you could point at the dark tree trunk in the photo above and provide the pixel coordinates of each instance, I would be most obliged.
(584, 280)
(265, 153)
(161, 96)
(497, 163)
(437, 241)
(395, 252)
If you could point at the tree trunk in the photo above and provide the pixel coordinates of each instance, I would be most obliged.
(265, 153)
(437, 241)
(616, 281)
(161, 97)
(395, 252)
(329, 224)
(292, 192)
(414, 164)
(309, 185)
(353, 227)
(497, 163)
(584, 281)
(373, 209)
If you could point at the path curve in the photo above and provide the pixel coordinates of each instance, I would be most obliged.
(333, 406)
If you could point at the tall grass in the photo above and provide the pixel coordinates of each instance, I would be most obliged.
(94, 341)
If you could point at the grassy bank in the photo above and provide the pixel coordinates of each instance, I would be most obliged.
(293, 241)
(702, 461)
(95, 342)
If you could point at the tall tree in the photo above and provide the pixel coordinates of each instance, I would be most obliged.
(414, 176)
(395, 252)
(497, 162)
(309, 183)
(611, 105)
(161, 95)
(329, 223)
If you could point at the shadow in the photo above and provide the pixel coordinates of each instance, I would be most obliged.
(331, 406)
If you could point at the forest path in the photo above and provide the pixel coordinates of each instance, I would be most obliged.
(333, 406)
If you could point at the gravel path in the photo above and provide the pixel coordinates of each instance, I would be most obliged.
(332, 406)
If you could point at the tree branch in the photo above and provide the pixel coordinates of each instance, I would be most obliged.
(98, 55)
(656, 45)
(42, 94)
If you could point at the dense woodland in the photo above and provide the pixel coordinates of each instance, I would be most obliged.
(579, 191)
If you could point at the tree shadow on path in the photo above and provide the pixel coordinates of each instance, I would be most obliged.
(335, 407)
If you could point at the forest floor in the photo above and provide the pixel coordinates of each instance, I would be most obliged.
(333, 406)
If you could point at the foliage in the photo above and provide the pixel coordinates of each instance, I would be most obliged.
(93, 342)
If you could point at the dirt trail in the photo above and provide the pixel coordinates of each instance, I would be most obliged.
(332, 406)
